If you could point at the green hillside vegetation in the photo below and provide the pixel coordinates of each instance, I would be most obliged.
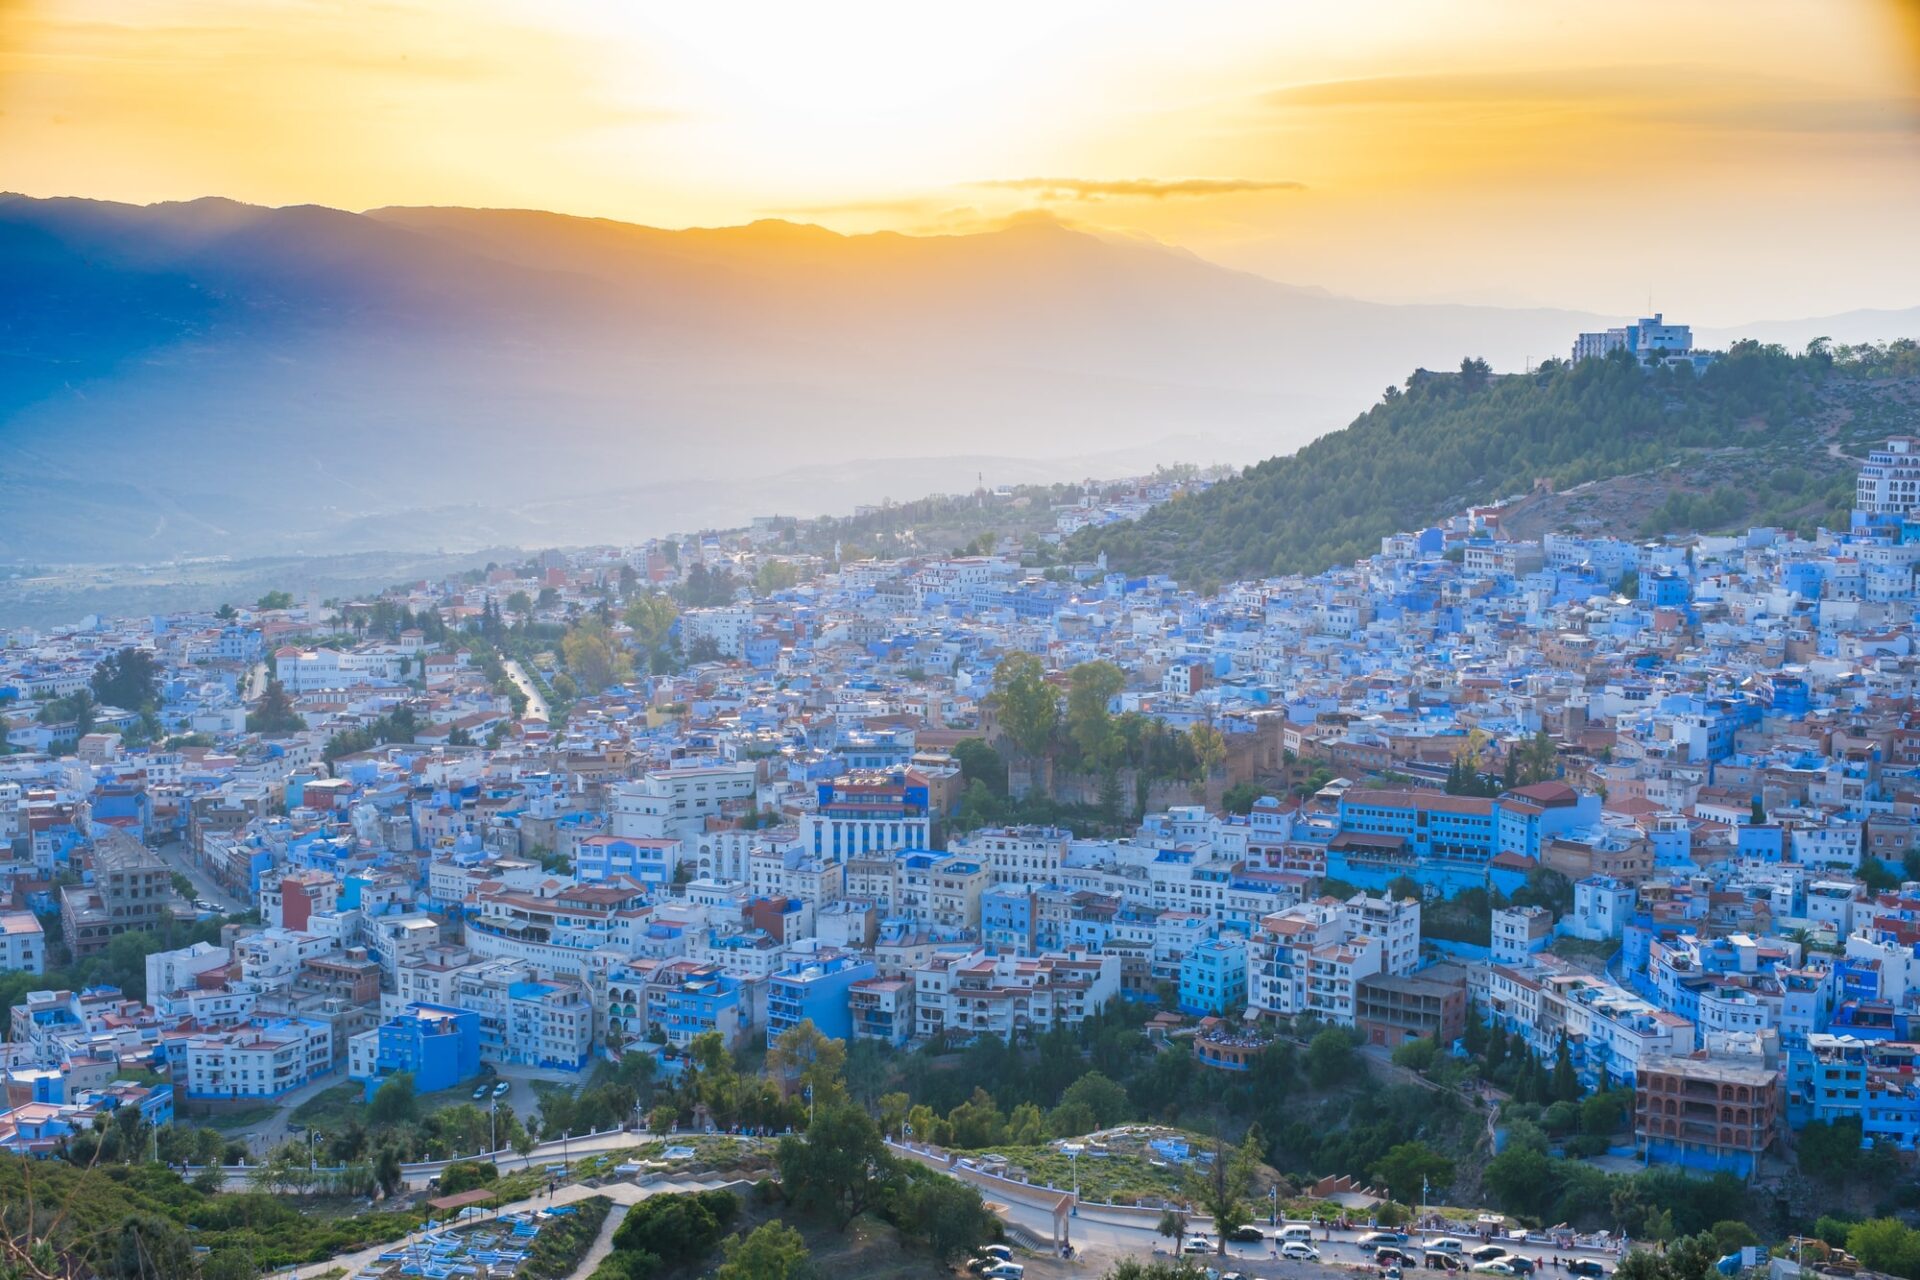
(1448, 440)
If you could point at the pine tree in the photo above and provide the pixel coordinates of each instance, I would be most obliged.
(1566, 1085)
(1474, 1038)
(1496, 1048)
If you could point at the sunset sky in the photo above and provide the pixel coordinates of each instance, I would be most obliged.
(1736, 160)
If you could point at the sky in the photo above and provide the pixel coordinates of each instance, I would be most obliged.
(1723, 160)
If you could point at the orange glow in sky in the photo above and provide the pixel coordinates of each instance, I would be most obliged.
(1734, 160)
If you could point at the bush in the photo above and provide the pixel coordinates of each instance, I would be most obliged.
(465, 1175)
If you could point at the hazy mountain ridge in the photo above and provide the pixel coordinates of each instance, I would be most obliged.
(210, 376)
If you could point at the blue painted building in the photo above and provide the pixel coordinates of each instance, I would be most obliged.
(1213, 978)
(438, 1044)
(815, 991)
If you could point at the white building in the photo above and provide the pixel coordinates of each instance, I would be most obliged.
(23, 943)
(1889, 480)
(1601, 907)
(264, 1059)
(676, 802)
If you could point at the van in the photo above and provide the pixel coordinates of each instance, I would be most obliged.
(1294, 1231)
(1446, 1244)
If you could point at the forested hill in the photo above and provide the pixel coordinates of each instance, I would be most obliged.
(1747, 440)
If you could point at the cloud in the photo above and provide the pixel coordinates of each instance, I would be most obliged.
(1666, 94)
(1138, 188)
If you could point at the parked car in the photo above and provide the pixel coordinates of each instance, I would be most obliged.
(1004, 1271)
(479, 1091)
(1295, 1231)
(1389, 1255)
(1521, 1266)
(1246, 1235)
(1496, 1267)
(1377, 1238)
(1442, 1262)
(502, 1089)
(1447, 1244)
(1588, 1269)
(1299, 1251)
(1000, 1251)
(1488, 1252)
(1197, 1244)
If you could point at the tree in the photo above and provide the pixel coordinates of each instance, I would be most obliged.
(226, 613)
(1830, 1150)
(1241, 797)
(386, 1170)
(775, 575)
(152, 1248)
(1730, 1234)
(772, 1251)
(802, 1058)
(1330, 1058)
(1027, 705)
(840, 1165)
(1565, 1086)
(980, 763)
(1209, 751)
(1223, 1191)
(652, 617)
(1091, 687)
(1886, 1244)
(1416, 1055)
(592, 657)
(945, 1212)
(1173, 1225)
(129, 679)
(393, 1102)
(1105, 1099)
(275, 712)
(1519, 1179)
(1409, 1168)
(977, 1122)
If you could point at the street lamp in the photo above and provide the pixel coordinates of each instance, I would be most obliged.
(312, 1136)
(1273, 1214)
(493, 1136)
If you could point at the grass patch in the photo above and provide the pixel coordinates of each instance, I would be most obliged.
(565, 1239)
(1115, 1178)
(332, 1109)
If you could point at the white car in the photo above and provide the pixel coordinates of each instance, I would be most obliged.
(1005, 1271)
(1197, 1244)
(1497, 1267)
(1299, 1251)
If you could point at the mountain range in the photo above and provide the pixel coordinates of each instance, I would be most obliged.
(215, 378)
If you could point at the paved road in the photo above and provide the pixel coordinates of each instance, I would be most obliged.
(174, 854)
(536, 705)
(602, 1244)
(1343, 1249)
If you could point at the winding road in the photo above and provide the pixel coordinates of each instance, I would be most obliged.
(536, 705)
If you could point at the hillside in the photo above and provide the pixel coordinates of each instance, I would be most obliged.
(209, 377)
(1761, 437)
